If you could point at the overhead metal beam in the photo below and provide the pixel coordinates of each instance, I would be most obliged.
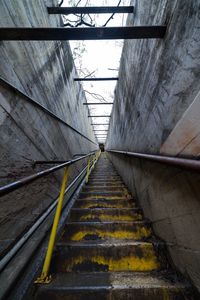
(98, 103)
(90, 10)
(100, 129)
(92, 33)
(97, 79)
(103, 116)
(100, 124)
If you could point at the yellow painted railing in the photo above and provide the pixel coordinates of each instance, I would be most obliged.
(45, 277)
(91, 161)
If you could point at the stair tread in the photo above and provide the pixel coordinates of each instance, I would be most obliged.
(123, 280)
(78, 223)
(107, 209)
(105, 198)
(105, 192)
(107, 244)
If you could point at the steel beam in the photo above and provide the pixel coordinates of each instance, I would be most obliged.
(100, 124)
(96, 79)
(103, 116)
(98, 103)
(92, 33)
(90, 10)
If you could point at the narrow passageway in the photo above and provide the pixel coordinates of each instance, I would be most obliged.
(107, 249)
(99, 149)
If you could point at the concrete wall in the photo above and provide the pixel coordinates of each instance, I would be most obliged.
(44, 71)
(156, 110)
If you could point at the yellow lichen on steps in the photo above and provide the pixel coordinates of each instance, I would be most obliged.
(166, 295)
(96, 197)
(118, 234)
(148, 261)
(135, 217)
(104, 205)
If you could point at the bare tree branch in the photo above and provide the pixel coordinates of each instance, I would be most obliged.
(83, 19)
(68, 25)
(110, 69)
(61, 3)
(78, 2)
(82, 22)
(96, 96)
(93, 72)
(111, 17)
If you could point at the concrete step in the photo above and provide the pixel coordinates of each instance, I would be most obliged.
(98, 231)
(105, 214)
(114, 286)
(104, 194)
(119, 188)
(104, 203)
(104, 174)
(104, 183)
(108, 256)
(106, 177)
(105, 171)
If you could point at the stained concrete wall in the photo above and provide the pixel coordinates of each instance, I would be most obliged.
(155, 101)
(45, 72)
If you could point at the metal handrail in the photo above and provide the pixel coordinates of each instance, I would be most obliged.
(6, 189)
(45, 277)
(191, 164)
(10, 254)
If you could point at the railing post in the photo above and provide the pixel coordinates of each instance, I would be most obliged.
(88, 171)
(45, 277)
(93, 161)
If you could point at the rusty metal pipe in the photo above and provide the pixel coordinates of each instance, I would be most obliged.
(190, 164)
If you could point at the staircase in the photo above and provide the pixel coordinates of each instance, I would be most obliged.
(107, 249)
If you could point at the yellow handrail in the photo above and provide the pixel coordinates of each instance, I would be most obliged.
(45, 277)
(88, 171)
(94, 159)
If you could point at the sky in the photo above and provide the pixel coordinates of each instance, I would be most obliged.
(98, 57)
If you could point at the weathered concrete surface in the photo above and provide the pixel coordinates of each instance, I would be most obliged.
(159, 80)
(185, 137)
(44, 71)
